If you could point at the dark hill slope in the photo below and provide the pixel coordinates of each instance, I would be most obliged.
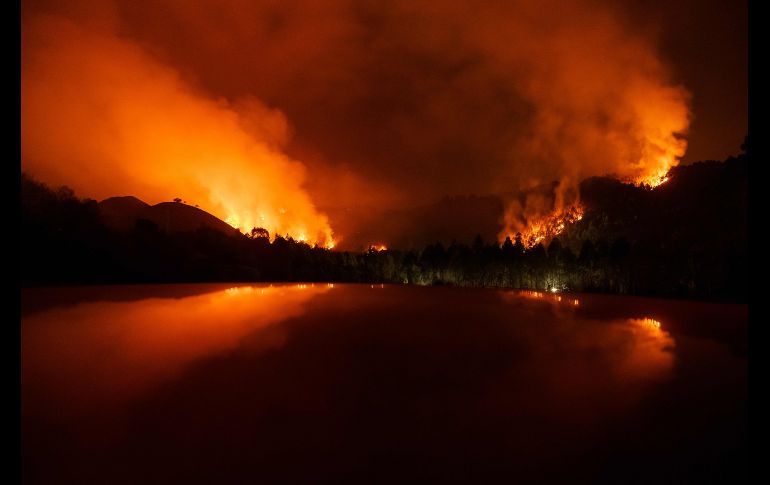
(122, 213)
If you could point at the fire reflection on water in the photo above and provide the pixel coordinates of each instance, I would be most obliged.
(636, 349)
(182, 380)
(101, 352)
(651, 354)
(548, 296)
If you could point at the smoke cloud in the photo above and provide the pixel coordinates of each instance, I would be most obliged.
(385, 103)
(99, 114)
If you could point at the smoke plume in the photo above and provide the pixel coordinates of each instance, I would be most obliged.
(101, 115)
(387, 103)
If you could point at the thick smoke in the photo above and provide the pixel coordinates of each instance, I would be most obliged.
(401, 102)
(101, 115)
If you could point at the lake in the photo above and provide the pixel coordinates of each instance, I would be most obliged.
(324, 383)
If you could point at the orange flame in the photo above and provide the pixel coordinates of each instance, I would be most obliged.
(94, 103)
(543, 229)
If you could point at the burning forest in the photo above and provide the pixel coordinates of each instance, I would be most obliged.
(528, 98)
(340, 126)
(354, 241)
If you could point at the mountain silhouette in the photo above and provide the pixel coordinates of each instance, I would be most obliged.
(122, 213)
(686, 238)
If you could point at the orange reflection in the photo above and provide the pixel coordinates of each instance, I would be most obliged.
(651, 353)
(95, 353)
(651, 322)
(548, 297)
(584, 357)
(639, 347)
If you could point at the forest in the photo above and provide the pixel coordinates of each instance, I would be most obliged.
(687, 238)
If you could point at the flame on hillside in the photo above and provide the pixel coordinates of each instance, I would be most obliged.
(97, 104)
(539, 217)
(546, 228)
(536, 225)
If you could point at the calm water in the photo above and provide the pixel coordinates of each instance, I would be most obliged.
(385, 384)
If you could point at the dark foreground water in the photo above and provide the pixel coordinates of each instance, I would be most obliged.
(370, 384)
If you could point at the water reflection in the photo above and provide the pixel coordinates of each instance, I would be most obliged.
(652, 353)
(577, 354)
(96, 353)
(307, 383)
(545, 296)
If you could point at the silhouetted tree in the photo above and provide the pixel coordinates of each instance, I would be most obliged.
(587, 253)
(259, 232)
(518, 243)
(685, 238)
(478, 244)
(554, 249)
(619, 250)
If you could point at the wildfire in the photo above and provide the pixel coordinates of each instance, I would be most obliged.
(655, 180)
(324, 240)
(544, 228)
(653, 169)
(163, 136)
(378, 247)
(329, 244)
(550, 226)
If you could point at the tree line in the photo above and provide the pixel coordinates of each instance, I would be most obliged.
(683, 241)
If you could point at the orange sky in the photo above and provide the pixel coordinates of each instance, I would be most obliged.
(270, 113)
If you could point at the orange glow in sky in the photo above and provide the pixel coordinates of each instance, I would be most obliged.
(104, 117)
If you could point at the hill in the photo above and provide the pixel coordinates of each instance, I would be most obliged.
(122, 213)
